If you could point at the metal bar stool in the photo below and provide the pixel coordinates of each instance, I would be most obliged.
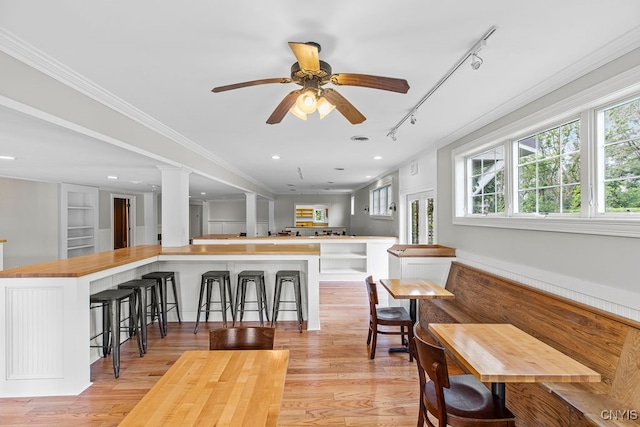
(223, 278)
(257, 277)
(293, 277)
(110, 300)
(139, 304)
(163, 277)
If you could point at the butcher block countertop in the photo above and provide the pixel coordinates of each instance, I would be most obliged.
(88, 264)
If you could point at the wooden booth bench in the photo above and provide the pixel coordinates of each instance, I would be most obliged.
(604, 342)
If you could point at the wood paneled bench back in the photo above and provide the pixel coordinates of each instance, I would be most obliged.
(606, 343)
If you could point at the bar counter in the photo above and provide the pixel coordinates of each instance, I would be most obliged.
(47, 323)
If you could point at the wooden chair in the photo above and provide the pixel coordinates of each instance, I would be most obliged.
(457, 400)
(386, 316)
(245, 338)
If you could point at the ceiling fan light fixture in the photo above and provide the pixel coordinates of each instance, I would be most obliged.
(297, 112)
(324, 107)
(307, 102)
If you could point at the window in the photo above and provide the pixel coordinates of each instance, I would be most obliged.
(548, 171)
(353, 205)
(380, 201)
(573, 166)
(487, 181)
(619, 143)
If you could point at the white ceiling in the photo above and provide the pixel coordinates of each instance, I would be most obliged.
(164, 57)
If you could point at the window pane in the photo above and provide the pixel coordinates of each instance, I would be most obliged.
(571, 201)
(487, 183)
(549, 200)
(623, 195)
(526, 150)
(548, 172)
(476, 167)
(548, 143)
(570, 137)
(622, 122)
(430, 221)
(527, 176)
(527, 201)
(415, 223)
(570, 169)
(476, 205)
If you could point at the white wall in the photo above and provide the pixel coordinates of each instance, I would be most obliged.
(363, 225)
(598, 270)
(29, 217)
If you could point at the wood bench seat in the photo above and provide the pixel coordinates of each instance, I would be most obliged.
(606, 343)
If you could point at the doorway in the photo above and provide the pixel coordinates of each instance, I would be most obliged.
(421, 211)
(121, 209)
(195, 221)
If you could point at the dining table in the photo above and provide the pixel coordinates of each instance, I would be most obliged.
(413, 290)
(502, 353)
(220, 387)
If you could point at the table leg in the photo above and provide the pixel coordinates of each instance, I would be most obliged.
(498, 390)
(413, 315)
(413, 311)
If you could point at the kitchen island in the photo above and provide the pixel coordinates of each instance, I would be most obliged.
(47, 323)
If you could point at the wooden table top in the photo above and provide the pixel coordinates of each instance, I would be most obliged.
(504, 353)
(216, 388)
(88, 264)
(415, 289)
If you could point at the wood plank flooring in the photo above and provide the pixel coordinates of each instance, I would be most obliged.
(330, 380)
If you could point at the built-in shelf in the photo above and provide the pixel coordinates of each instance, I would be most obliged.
(78, 220)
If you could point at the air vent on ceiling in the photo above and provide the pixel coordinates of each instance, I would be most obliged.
(360, 138)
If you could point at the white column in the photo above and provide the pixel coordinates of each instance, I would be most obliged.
(150, 218)
(272, 216)
(175, 206)
(252, 214)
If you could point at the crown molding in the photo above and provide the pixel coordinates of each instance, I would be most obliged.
(29, 55)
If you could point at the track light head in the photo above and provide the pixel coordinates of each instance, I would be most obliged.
(413, 119)
(476, 61)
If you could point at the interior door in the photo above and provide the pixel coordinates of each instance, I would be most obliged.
(120, 223)
(195, 221)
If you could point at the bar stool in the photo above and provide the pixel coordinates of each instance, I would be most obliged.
(110, 300)
(257, 277)
(163, 277)
(224, 282)
(139, 304)
(293, 277)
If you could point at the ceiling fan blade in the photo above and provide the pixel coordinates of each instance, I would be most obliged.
(307, 55)
(345, 107)
(374, 82)
(251, 83)
(283, 108)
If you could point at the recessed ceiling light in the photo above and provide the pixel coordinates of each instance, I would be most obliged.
(203, 193)
(7, 158)
(377, 158)
(368, 176)
(135, 182)
(275, 157)
(112, 177)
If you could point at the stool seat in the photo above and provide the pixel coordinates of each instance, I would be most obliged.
(162, 277)
(257, 277)
(140, 305)
(293, 277)
(110, 300)
(223, 278)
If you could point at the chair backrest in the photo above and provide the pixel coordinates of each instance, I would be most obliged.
(246, 338)
(432, 362)
(372, 292)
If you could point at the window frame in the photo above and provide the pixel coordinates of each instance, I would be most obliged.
(374, 193)
(584, 106)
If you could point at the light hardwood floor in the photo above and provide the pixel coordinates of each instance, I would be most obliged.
(330, 379)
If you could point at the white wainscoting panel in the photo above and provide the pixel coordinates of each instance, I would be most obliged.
(32, 353)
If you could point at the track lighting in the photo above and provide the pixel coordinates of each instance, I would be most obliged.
(476, 61)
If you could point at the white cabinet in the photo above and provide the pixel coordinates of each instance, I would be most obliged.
(354, 258)
(78, 220)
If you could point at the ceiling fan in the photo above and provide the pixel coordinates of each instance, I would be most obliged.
(312, 74)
